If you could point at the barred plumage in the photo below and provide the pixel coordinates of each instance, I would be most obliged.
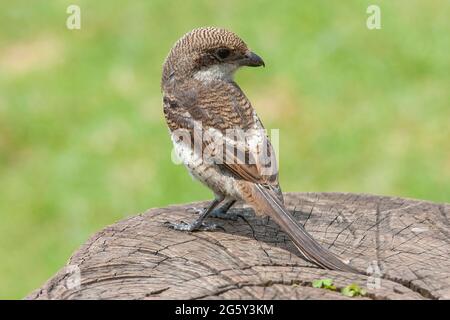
(202, 99)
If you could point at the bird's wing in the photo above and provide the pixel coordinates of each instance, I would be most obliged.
(221, 107)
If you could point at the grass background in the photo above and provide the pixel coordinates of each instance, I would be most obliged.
(83, 142)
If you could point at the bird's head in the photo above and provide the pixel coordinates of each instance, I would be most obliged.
(208, 54)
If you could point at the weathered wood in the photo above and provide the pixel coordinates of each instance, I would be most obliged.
(140, 258)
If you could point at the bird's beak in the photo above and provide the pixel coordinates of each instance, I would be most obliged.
(251, 59)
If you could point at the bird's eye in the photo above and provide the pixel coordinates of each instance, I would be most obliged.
(223, 53)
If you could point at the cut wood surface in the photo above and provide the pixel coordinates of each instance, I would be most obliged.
(402, 246)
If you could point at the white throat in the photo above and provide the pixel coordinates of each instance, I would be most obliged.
(223, 72)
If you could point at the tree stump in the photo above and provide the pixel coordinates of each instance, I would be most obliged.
(402, 246)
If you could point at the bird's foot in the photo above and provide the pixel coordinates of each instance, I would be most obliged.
(194, 226)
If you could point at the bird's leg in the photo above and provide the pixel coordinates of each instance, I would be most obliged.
(198, 223)
(222, 212)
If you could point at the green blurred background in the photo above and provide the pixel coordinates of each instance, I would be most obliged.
(83, 142)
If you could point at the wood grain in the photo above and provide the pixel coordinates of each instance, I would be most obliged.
(140, 258)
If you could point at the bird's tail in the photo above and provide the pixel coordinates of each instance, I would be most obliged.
(308, 247)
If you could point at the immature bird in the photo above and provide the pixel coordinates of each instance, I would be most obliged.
(202, 105)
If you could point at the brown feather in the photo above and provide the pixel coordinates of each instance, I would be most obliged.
(220, 105)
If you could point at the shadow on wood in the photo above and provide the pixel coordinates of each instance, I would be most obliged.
(402, 244)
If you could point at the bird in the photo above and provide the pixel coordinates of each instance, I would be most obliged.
(220, 139)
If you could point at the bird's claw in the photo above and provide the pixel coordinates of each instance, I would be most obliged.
(211, 227)
(182, 226)
(191, 227)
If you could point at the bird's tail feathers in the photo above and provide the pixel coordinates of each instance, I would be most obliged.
(305, 243)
